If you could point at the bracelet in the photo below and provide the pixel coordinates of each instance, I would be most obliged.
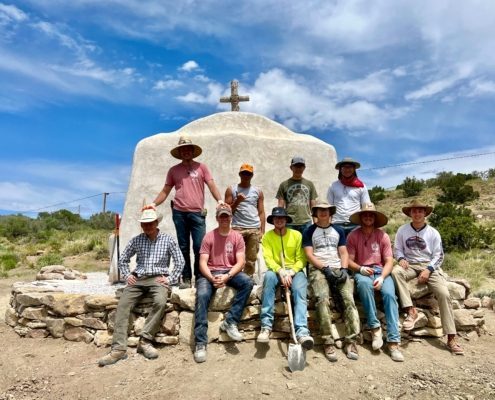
(430, 268)
(229, 275)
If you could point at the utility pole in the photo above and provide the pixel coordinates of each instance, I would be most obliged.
(105, 202)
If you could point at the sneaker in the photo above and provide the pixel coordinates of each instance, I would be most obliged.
(146, 349)
(112, 357)
(351, 351)
(410, 321)
(200, 353)
(395, 353)
(330, 352)
(264, 336)
(186, 284)
(306, 341)
(377, 335)
(232, 331)
(454, 347)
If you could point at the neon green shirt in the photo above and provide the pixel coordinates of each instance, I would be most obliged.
(294, 254)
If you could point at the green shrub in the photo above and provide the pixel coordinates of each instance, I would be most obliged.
(104, 220)
(412, 186)
(15, 226)
(49, 259)
(458, 193)
(377, 193)
(8, 261)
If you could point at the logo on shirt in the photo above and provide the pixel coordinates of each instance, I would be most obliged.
(229, 248)
(298, 194)
(416, 243)
(193, 174)
(375, 247)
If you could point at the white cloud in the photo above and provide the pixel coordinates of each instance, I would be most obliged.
(480, 87)
(373, 87)
(11, 13)
(167, 84)
(211, 97)
(189, 66)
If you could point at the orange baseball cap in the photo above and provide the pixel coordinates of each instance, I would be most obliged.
(247, 167)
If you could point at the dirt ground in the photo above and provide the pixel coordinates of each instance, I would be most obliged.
(58, 369)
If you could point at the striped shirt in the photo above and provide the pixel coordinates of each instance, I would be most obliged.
(153, 257)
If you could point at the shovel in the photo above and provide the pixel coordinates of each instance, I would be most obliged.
(295, 354)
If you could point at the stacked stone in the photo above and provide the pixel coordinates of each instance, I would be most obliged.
(36, 312)
(58, 272)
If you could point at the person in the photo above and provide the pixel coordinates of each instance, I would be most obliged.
(248, 212)
(347, 193)
(418, 251)
(188, 213)
(324, 246)
(371, 259)
(220, 264)
(297, 195)
(284, 259)
(152, 276)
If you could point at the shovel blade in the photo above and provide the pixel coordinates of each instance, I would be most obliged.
(297, 357)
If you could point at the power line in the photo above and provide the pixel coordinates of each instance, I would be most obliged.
(428, 162)
(67, 202)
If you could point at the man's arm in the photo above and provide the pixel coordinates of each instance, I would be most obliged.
(281, 203)
(162, 196)
(365, 196)
(310, 256)
(300, 256)
(399, 250)
(268, 254)
(124, 260)
(214, 191)
(179, 262)
(203, 267)
(344, 256)
(261, 211)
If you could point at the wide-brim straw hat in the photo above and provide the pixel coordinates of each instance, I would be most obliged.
(185, 141)
(380, 218)
(417, 204)
(323, 205)
(150, 215)
(278, 212)
(347, 160)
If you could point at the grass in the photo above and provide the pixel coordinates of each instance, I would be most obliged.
(474, 265)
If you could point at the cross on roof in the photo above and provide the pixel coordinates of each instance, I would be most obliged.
(234, 98)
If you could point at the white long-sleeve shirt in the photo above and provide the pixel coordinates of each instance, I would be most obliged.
(347, 199)
(419, 246)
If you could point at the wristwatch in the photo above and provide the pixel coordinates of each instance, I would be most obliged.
(229, 275)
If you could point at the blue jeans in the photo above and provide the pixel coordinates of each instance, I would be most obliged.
(300, 228)
(299, 302)
(242, 283)
(189, 224)
(366, 292)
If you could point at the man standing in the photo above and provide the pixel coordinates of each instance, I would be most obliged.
(248, 214)
(418, 250)
(151, 276)
(297, 195)
(324, 245)
(285, 261)
(188, 178)
(220, 264)
(371, 258)
(348, 194)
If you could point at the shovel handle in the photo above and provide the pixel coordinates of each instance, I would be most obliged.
(288, 302)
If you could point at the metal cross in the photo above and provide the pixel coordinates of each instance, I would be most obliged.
(234, 98)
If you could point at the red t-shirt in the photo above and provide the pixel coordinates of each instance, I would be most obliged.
(222, 250)
(369, 250)
(189, 184)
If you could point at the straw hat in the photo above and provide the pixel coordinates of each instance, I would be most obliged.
(347, 160)
(417, 204)
(185, 141)
(380, 218)
(324, 205)
(150, 215)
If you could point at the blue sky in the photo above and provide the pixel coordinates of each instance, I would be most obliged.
(386, 82)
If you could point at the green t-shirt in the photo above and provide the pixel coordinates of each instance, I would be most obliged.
(297, 195)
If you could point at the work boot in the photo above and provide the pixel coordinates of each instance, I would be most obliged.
(454, 347)
(351, 351)
(200, 353)
(395, 353)
(112, 357)
(146, 349)
(410, 321)
(264, 336)
(330, 353)
(377, 335)
(186, 284)
(306, 341)
(232, 331)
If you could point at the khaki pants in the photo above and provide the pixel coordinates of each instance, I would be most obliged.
(128, 299)
(251, 238)
(436, 283)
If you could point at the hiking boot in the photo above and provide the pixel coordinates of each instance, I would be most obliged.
(330, 352)
(112, 357)
(264, 336)
(395, 353)
(232, 331)
(351, 351)
(200, 353)
(146, 349)
(410, 321)
(377, 335)
(306, 341)
(454, 347)
(186, 284)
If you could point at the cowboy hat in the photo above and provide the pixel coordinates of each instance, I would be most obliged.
(150, 215)
(278, 212)
(185, 141)
(347, 160)
(380, 218)
(417, 204)
(324, 205)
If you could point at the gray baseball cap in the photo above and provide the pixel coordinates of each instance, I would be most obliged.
(297, 160)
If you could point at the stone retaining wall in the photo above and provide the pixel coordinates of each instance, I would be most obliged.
(39, 312)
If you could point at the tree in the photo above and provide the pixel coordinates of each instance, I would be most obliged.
(377, 193)
(104, 220)
(411, 186)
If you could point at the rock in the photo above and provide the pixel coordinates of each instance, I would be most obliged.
(457, 291)
(37, 333)
(170, 340)
(250, 312)
(434, 321)
(462, 282)
(456, 305)
(103, 338)
(338, 330)
(281, 325)
(471, 336)
(171, 323)
(65, 304)
(472, 302)
(49, 276)
(22, 330)
(139, 325)
(111, 320)
(429, 302)
(94, 323)
(250, 325)
(279, 309)
(417, 290)
(77, 334)
(186, 331)
(38, 313)
(100, 301)
(427, 331)
(480, 313)
(36, 325)
(487, 302)
(72, 321)
(422, 321)
(52, 268)
(464, 321)
(11, 317)
(29, 299)
(132, 341)
(185, 298)
(55, 326)
(222, 299)
(69, 275)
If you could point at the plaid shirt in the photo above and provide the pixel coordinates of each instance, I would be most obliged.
(153, 257)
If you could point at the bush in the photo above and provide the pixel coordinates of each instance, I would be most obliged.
(104, 220)
(455, 191)
(49, 259)
(8, 261)
(377, 193)
(412, 186)
(14, 226)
